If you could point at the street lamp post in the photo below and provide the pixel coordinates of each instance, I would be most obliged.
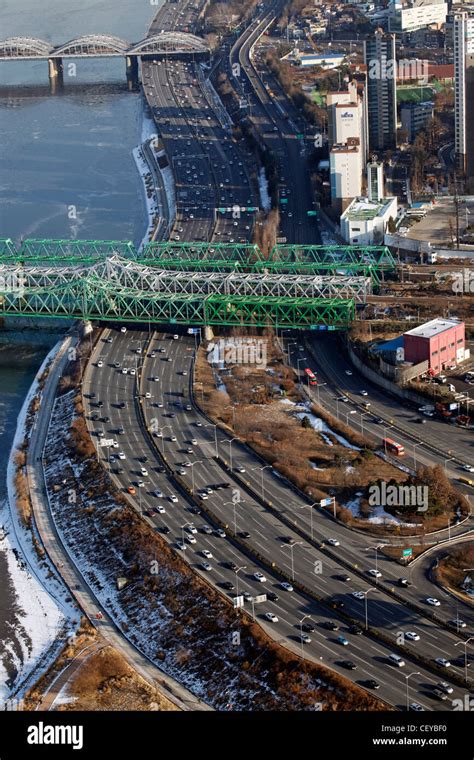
(230, 442)
(160, 430)
(231, 406)
(199, 461)
(465, 643)
(372, 588)
(292, 547)
(407, 677)
(234, 504)
(265, 467)
(211, 424)
(420, 443)
(237, 571)
(310, 507)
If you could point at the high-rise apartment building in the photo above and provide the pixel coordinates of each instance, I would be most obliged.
(463, 33)
(379, 53)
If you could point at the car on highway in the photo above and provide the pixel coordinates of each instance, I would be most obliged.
(124, 371)
(396, 660)
(123, 329)
(190, 539)
(434, 602)
(172, 497)
(468, 468)
(333, 542)
(259, 577)
(404, 582)
(288, 540)
(206, 553)
(308, 627)
(330, 625)
(355, 630)
(131, 489)
(202, 494)
(100, 363)
(443, 662)
(191, 528)
(160, 510)
(457, 623)
(271, 617)
(221, 533)
(343, 577)
(165, 529)
(444, 687)
(286, 586)
(364, 393)
(305, 639)
(144, 472)
(247, 596)
(416, 707)
(357, 594)
(375, 573)
(348, 372)
(240, 468)
(348, 664)
(344, 399)
(342, 640)
(371, 684)
(272, 597)
(121, 455)
(412, 636)
(133, 371)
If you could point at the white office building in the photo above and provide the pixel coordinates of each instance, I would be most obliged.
(463, 33)
(345, 162)
(411, 16)
(364, 222)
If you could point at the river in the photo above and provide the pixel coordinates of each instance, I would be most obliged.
(66, 170)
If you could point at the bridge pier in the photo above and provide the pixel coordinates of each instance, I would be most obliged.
(208, 333)
(132, 71)
(55, 66)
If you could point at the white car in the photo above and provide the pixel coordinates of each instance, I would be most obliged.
(173, 438)
(221, 533)
(287, 586)
(443, 662)
(412, 636)
(100, 363)
(148, 394)
(468, 468)
(124, 371)
(434, 602)
(158, 494)
(358, 594)
(348, 372)
(160, 509)
(375, 573)
(364, 393)
(333, 542)
(206, 553)
(121, 455)
(443, 686)
(240, 469)
(133, 372)
(181, 545)
(305, 638)
(144, 471)
(123, 329)
(193, 442)
(259, 577)
(156, 379)
(190, 539)
(206, 566)
(191, 528)
(271, 617)
(173, 498)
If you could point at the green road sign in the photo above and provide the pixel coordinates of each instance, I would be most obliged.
(300, 137)
(407, 552)
(312, 213)
(283, 200)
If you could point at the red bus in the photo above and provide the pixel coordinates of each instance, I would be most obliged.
(393, 447)
(311, 376)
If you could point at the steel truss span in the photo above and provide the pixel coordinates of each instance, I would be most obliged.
(120, 289)
(102, 45)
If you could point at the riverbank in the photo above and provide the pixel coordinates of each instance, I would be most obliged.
(44, 616)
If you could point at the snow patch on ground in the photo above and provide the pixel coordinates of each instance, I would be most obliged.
(378, 517)
(263, 190)
(44, 608)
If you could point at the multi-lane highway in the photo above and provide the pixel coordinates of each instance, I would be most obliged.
(211, 171)
(266, 533)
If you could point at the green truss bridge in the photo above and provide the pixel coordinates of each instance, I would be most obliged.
(190, 283)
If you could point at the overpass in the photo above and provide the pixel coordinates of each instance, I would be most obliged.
(166, 43)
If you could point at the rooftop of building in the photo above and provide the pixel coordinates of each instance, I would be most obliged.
(362, 209)
(434, 327)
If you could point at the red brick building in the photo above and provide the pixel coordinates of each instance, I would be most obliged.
(441, 342)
